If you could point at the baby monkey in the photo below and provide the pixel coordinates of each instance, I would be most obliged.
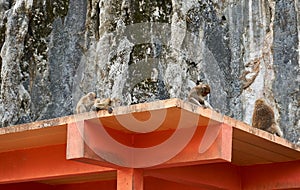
(106, 104)
(197, 95)
(85, 103)
(263, 118)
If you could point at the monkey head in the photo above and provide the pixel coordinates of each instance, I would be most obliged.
(205, 89)
(115, 102)
(259, 101)
(92, 95)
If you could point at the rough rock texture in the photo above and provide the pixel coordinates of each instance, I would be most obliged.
(54, 51)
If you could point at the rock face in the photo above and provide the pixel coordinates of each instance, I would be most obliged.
(53, 52)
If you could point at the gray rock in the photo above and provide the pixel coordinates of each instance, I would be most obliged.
(53, 52)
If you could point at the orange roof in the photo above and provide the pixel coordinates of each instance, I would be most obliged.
(215, 139)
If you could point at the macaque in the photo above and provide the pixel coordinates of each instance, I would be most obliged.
(197, 95)
(154, 75)
(85, 103)
(106, 104)
(263, 118)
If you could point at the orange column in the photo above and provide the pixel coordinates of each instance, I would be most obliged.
(130, 179)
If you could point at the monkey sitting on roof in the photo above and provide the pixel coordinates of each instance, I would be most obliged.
(85, 103)
(106, 104)
(197, 95)
(263, 118)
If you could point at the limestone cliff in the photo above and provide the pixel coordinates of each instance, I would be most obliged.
(54, 51)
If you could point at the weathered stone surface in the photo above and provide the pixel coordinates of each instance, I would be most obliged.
(287, 67)
(53, 52)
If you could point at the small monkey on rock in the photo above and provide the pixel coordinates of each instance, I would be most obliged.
(263, 118)
(106, 104)
(197, 95)
(86, 102)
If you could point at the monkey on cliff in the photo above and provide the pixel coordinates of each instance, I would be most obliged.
(105, 104)
(197, 95)
(85, 103)
(263, 118)
(154, 75)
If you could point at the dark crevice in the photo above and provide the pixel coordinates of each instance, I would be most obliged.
(97, 21)
(2, 40)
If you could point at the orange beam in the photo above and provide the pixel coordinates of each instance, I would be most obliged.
(272, 176)
(152, 183)
(92, 143)
(130, 179)
(206, 147)
(42, 163)
(96, 185)
(208, 176)
(77, 149)
(27, 185)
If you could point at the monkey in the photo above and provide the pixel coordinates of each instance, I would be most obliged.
(154, 75)
(106, 104)
(115, 102)
(197, 95)
(247, 76)
(263, 118)
(85, 103)
(102, 104)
